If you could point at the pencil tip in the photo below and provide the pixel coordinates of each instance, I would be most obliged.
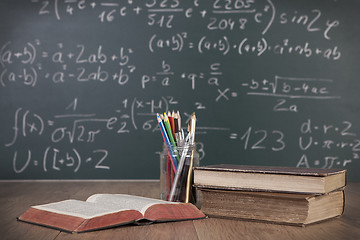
(193, 116)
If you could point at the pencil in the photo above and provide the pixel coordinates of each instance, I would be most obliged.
(169, 116)
(177, 130)
(178, 119)
(173, 123)
(192, 141)
(182, 134)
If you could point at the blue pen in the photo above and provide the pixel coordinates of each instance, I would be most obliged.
(167, 141)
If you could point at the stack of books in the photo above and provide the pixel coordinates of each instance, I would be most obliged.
(297, 196)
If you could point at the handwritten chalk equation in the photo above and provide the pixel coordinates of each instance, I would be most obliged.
(331, 139)
(53, 159)
(292, 87)
(232, 15)
(284, 88)
(321, 145)
(226, 45)
(226, 16)
(32, 58)
(85, 127)
(67, 131)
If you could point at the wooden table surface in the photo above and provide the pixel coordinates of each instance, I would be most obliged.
(17, 197)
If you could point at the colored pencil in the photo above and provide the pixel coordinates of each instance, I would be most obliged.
(169, 132)
(167, 142)
(174, 119)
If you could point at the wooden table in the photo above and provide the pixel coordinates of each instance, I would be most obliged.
(16, 197)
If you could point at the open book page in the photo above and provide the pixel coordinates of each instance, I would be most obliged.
(79, 208)
(124, 201)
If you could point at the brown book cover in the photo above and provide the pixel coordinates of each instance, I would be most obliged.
(102, 211)
(272, 179)
(284, 208)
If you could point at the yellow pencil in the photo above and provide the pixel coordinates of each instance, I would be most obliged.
(192, 139)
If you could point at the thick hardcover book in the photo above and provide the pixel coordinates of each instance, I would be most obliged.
(271, 179)
(101, 211)
(284, 208)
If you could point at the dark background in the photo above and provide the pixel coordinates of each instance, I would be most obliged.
(280, 90)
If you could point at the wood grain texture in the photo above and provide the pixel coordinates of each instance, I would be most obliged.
(17, 197)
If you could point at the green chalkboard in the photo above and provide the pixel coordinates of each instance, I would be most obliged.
(272, 82)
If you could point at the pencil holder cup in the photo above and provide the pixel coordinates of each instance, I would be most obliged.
(176, 173)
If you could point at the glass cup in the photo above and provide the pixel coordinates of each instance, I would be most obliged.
(176, 173)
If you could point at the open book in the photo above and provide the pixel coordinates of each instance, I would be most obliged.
(101, 211)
